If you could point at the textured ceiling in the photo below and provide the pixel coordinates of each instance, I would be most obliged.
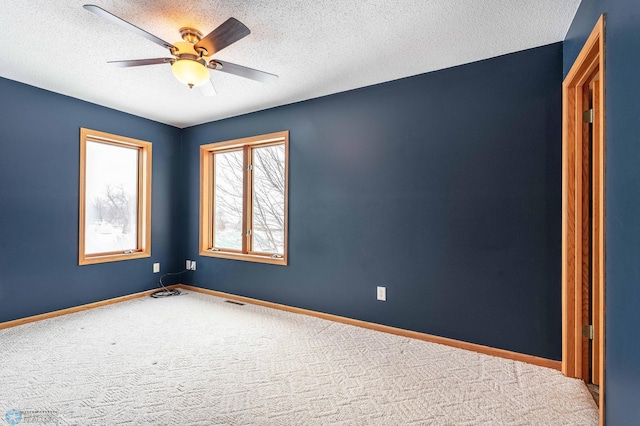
(317, 47)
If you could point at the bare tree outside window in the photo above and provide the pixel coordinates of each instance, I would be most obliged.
(268, 199)
(244, 186)
(228, 200)
(111, 198)
(114, 198)
(116, 207)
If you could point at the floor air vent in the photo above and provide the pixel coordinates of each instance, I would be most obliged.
(234, 302)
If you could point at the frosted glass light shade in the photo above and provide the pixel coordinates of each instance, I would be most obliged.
(190, 72)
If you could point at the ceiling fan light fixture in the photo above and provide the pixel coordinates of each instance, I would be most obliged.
(191, 59)
(190, 72)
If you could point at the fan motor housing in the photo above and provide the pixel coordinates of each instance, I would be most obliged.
(185, 50)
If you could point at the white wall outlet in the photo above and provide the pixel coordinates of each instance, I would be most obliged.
(188, 266)
(156, 268)
(382, 293)
(193, 265)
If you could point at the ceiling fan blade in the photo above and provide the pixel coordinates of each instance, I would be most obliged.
(124, 24)
(245, 72)
(139, 62)
(207, 89)
(229, 32)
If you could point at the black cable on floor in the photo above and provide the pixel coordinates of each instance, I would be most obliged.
(165, 292)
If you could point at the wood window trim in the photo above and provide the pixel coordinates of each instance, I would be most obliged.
(206, 197)
(589, 63)
(143, 202)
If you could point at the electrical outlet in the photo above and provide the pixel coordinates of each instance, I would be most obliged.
(188, 267)
(193, 265)
(156, 268)
(382, 293)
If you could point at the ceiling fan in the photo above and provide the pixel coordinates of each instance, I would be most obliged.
(192, 58)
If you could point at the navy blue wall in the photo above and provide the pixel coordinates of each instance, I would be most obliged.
(582, 25)
(39, 166)
(443, 187)
(622, 65)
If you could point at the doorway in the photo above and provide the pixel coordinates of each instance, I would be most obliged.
(583, 286)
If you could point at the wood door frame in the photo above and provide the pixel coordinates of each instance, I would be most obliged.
(589, 63)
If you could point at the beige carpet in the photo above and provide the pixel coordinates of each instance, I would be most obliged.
(196, 360)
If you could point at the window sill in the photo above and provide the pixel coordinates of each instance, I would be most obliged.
(112, 258)
(282, 261)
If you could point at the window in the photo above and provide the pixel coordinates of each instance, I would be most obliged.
(243, 198)
(115, 198)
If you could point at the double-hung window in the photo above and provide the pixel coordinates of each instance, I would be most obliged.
(115, 198)
(243, 198)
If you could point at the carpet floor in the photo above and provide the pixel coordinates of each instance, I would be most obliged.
(197, 360)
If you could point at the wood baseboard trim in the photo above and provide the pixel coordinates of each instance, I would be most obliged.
(21, 321)
(502, 353)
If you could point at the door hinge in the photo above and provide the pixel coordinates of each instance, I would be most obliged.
(250, 167)
(587, 332)
(248, 232)
(587, 116)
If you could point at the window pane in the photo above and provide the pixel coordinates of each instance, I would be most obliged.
(268, 200)
(227, 211)
(111, 200)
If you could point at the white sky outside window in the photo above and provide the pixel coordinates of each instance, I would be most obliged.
(227, 221)
(268, 200)
(111, 198)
